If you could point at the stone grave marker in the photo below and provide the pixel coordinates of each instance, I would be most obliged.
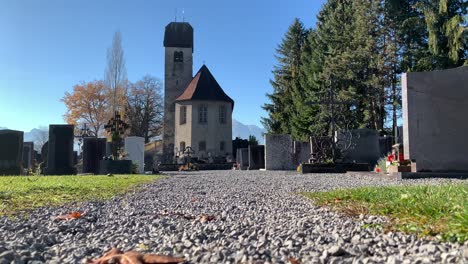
(435, 119)
(11, 152)
(256, 157)
(242, 158)
(363, 147)
(60, 151)
(301, 152)
(28, 155)
(135, 147)
(94, 149)
(279, 152)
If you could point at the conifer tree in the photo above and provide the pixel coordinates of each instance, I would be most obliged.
(286, 77)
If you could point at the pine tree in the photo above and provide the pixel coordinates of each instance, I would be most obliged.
(286, 78)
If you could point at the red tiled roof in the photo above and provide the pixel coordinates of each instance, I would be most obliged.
(204, 87)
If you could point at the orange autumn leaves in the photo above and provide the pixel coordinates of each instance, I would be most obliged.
(91, 103)
(117, 256)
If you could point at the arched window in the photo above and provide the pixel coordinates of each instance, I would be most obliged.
(183, 115)
(178, 56)
(222, 114)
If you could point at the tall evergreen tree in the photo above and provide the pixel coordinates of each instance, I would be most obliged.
(286, 78)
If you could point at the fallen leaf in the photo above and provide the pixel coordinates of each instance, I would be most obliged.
(117, 256)
(206, 218)
(70, 216)
(337, 200)
(294, 261)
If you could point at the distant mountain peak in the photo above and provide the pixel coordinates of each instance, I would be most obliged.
(244, 131)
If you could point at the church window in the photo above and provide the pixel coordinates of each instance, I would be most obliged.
(222, 114)
(178, 56)
(202, 146)
(202, 114)
(183, 115)
(182, 146)
(222, 146)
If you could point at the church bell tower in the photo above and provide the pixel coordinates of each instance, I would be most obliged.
(178, 70)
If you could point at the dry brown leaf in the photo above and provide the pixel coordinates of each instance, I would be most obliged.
(206, 218)
(117, 256)
(70, 216)
(294, 261)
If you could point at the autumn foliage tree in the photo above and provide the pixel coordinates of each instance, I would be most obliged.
(88, 103)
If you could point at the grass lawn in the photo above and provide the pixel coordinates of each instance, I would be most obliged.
(423, 210)
(19, 193)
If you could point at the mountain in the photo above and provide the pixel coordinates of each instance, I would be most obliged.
(244, 131)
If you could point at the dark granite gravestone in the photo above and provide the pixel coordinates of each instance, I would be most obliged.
(242, 158)
(256, 157)
(28, 155)
(434, 108)
(362, 146)
(94, 149)
(44, 157)
(75, 158)
(60, 154)
(385, 145)
(11, 152)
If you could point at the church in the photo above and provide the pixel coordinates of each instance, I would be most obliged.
(197, 112)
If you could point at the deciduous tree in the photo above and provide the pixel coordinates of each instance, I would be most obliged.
(145, 108)
(88, 103)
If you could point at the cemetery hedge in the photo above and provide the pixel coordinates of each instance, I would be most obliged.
(22, 193)
(425, 210)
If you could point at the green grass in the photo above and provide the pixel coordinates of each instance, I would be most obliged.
(22, 193)
(422, 210)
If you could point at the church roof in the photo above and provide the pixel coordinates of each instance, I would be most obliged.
(204, 87)
(178, 34)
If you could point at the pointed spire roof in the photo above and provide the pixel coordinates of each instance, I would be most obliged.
(204, 87)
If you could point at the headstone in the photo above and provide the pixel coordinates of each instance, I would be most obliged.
(242, 158)
(11, 152)
(359, 145)
(28, 155)
(256, 157)
(435, 110)
(60, 153)
(135, 147)
(278, 152)
(75, 157)
(94, 149)
(301, 152)
(44, 156)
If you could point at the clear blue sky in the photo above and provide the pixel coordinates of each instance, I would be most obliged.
(46, 47)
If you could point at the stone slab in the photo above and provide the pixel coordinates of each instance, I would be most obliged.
(435, 110)
(11, 152)
(256, 157)
(28, 155)
(279, 152)
(135, 147)
(94, 149)
(60, 150)
(363, 146)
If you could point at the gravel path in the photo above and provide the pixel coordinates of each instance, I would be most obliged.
(258, 219)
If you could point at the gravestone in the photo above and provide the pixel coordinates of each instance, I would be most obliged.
(60, 153)
(256, 157)
(360, 145)
(44, 156)
(94, 149)
(11, 152)
(301, 152)
(435, 115)
(242, 158)
(278, 152)
(135, 147)
(28, 155)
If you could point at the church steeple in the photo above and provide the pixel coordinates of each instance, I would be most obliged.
(178, 72)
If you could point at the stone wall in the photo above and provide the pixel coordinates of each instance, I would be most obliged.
(435, 115)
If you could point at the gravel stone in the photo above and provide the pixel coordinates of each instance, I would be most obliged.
(258, 217)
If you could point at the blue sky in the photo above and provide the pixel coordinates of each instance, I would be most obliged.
(46, 47)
